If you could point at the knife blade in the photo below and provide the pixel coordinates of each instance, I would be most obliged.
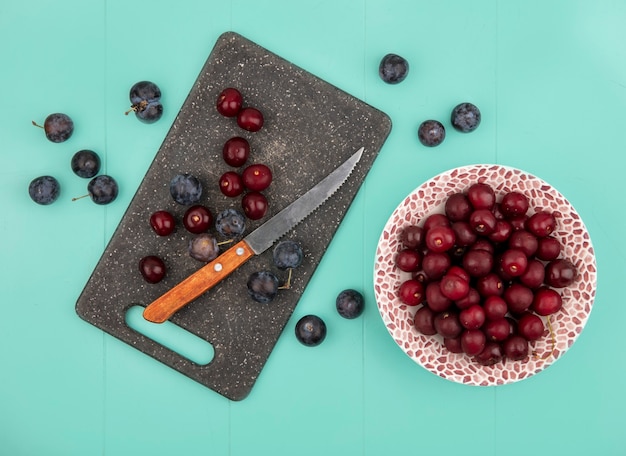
(257, 242)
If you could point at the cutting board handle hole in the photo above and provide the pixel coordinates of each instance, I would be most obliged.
(172, 336)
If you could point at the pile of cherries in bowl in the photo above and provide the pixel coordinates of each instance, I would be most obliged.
(485, 274)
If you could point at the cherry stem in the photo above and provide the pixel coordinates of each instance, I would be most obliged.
(80, 197)
(228, 241)
(287, 284)
(137, 107)
(36, 124)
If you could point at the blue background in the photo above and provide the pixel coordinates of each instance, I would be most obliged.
(550, 80)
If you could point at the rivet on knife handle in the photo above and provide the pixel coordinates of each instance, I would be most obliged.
(200, 281)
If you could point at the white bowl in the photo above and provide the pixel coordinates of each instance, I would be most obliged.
(429, 351)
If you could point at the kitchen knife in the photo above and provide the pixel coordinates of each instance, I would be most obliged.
(255, 243)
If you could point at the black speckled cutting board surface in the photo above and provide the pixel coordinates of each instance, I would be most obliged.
(310, 128)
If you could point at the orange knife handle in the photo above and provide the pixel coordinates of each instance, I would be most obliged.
(200, 281)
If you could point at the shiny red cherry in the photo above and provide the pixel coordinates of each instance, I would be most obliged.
(152, 268)
(197, 219)
(254, 205)
(236, 151)
(163, 223)
(231, 184)
(250, 119)
(257, 177)
(229, 102)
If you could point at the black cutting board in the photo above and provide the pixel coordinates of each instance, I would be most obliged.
(310, 128)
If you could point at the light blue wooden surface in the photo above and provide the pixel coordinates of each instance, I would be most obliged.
(550, 79)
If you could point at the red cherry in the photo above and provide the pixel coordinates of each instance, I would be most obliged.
(236, 151)
(497, 330)
(254, 205)
(518, 298)
(447, 324)
(483, 222)
(411, 292)
(152, 268)
(435, 264)
(257, 177)
(412, 236)
(513, 262)
(548, 248)
(481, 196)
(501, 232)
(408, 260)
(491, 354)
(454, 287)
(457, 207)
(560, 273)
(514, 204)
(495, 307)
(197, 219)
(163, 223)
(434, 220)
(231, 184)
(459, 271)
(518, 223)
(478, 263)
(473, 341)
(546, 301)
(525, 241)
(473, 317)
(453, 344)
(250, 119)
(435, 299)
(471, 298)
(541, 223)
(490, 285)
(534, 275)
(229, 102)
(464, 234)
(424, 321)
(530, 326)
(515, 348)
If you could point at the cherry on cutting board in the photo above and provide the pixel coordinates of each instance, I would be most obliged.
(163, 223)
(197, 219)
(229, 102)
(236, 151)
(257, 177)
(254, 205)
(152, 268)
(231, 184)
(250, 119)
